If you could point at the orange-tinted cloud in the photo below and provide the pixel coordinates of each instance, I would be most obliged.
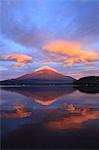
(20, 59)
(72, 51)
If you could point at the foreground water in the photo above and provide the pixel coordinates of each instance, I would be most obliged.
(49, 118)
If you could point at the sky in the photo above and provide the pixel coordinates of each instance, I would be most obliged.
(63, 34)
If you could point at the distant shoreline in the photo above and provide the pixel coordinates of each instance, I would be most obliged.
(39, 85)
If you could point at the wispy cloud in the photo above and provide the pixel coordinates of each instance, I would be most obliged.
(20, 59)
(72, 51)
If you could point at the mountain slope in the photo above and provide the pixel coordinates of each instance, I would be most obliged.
(43, 75)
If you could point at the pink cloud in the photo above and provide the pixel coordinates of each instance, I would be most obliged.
(20, 59)
(72, 51)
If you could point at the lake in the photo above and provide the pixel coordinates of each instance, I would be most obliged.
(50, 117)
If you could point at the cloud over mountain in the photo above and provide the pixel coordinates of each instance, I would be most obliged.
(72, 51)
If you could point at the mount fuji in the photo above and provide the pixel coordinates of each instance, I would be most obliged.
(42, 75)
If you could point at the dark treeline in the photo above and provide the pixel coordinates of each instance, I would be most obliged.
(88, 81)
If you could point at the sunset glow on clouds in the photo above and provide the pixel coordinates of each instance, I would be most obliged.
(62, 34)
(20, 59)
(72, 51)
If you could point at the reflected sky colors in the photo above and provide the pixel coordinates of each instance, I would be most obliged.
(28, 114)
(19, 112)
(75, 119)
(62, 34)
(56, 110)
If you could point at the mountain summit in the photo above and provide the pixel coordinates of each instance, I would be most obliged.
(43, 75)
(46, 68)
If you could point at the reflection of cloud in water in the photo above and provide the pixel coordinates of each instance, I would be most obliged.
(75, 118)
(19, 112)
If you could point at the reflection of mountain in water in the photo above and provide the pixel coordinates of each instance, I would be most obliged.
(44, 96)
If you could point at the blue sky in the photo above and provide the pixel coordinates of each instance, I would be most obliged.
(37, 33)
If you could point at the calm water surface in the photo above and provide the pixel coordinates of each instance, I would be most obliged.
(49, 118)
